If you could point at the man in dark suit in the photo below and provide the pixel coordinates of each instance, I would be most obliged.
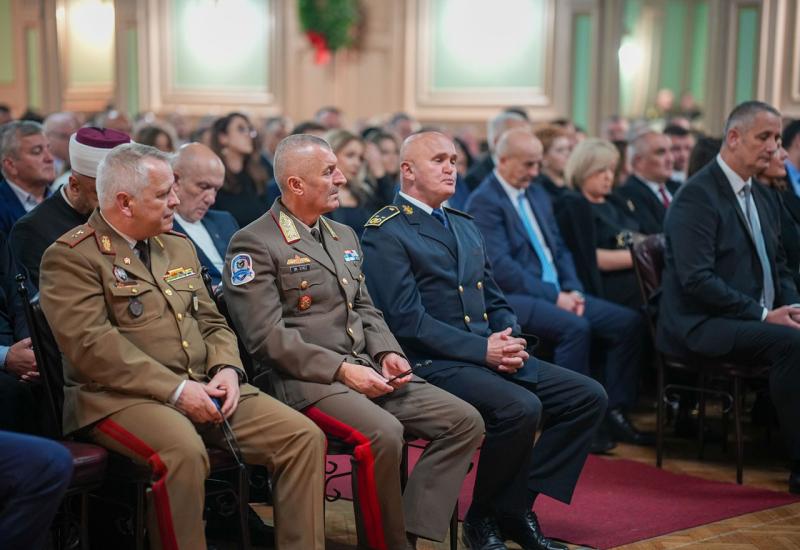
(726, 292)
(199, 174)
(534, 268)
(649, 187)
(70, 205)
(428, 272)
(27, 168)
(494, 129)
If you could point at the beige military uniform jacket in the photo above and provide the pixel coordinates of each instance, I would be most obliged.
(301, 311)
(129, 335)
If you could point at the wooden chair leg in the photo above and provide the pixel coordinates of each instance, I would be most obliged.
(726, 414)
(660, 412)
(701, 417)
(361, 534)
(737, 418)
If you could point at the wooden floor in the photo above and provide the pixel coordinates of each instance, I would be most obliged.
(774, 529)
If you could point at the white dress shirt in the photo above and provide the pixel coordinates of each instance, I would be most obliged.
(200, 236)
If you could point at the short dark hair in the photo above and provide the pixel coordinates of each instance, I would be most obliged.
(790, 133)
(677, 131)
(307, 127)
(745, 112)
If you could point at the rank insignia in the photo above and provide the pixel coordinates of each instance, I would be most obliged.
(77, 234)
(350, 255)
(126, 260)
(385, 213)
(297, 260)
(304, 302)
(407, 210)
(329, 228)
(242, 269)
(178, 273)
(120, 274)
(105, 242)
(160, 243)
(289, 230)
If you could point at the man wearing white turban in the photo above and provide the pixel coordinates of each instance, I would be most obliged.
(68, 207)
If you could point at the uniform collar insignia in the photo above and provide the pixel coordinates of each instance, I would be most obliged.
(407, 210)
(288, 228)
(329, 228)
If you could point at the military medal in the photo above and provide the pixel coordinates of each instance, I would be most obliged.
(120, 274)
(195, 302)
(135, 307)
(304, 302)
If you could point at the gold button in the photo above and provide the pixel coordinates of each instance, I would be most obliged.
(485, 316)
(355, 352)
(349, 305)
(303, 285)
(460, 288)
(185, 344)
(180, 316)
(190, 371)
(191, 287)
(350, 330)
(344, 280)
(168, 292)
(480, 285)
(134, 290)
(466, 319)
(361, 276)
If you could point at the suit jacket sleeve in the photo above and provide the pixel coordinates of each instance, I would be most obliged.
(73, 301)
(15, 308)
(28, 248)
(691, 227)
(257, 312)
(389, 275)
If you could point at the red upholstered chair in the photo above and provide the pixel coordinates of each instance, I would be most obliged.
(648, 262)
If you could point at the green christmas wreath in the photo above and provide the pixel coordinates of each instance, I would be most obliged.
(328, 24)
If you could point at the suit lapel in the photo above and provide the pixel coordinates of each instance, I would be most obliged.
(509, 210)
(536, 206)
(728, 194)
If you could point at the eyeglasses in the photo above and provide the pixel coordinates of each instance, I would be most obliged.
(249, 130)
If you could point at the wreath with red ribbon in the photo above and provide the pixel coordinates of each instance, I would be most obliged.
(328, 24)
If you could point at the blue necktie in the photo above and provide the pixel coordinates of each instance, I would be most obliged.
(549, 273)
(438, 213)
(768, 292)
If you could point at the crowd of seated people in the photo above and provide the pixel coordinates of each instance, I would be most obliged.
(468, 257)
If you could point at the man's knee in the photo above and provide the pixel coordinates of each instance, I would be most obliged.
(577, 329)
(188, 452)
(593, 395)
(519, 414)
(386, 437)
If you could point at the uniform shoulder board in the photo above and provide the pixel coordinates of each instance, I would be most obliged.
(381, 216)
(459, 212)
(76, 235)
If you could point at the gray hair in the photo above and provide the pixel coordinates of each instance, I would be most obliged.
(124, 170)
(588, 157)
(743, 114)
(11, 133)
(499, 124)
(286, 149)
(638, 145)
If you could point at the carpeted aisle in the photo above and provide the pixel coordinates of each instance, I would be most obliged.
(622, 501)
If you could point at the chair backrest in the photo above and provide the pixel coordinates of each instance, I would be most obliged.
(648, 263)
(48, 360)
(247, 361)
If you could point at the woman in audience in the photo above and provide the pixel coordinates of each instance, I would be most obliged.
(155, 136)
(774, 177)
(602, 244)
(361, 196)
(555, 150)
(389, 151)
(243, 193)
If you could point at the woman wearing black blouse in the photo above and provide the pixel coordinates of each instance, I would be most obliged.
(243, 193)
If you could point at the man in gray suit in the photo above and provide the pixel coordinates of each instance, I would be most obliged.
(295, 292)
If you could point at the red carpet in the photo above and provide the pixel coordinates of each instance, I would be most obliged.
(622, 501)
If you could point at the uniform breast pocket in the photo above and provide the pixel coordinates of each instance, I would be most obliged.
(134, 305)
(186, 291)
(296, 280)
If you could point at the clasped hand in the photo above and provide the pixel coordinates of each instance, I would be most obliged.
(195, 399)
(366, 380)
(506, 353)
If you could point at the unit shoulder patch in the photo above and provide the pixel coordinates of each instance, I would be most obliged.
(382, 216)
(76, 235)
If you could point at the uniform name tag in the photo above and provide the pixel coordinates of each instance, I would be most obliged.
(299, 268)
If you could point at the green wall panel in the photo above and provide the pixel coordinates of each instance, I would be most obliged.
(477, 45)
(219, 45)
(581, 68)
(6, 43)
(132, 45)
(673, 50)
(746, 54)
(699, 53)
(32, 61)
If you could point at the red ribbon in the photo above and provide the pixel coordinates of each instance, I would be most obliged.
(322, 52)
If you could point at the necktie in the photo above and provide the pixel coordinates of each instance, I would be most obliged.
(143, 250)
(549, 273)
(316, 234)
(768, 291)
(438, 213)
(664, 197)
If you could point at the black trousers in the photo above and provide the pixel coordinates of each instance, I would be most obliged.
(511, 467)
(779, 347)
(19, 411)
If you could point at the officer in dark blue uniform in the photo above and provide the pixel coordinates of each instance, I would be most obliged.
(427, 270)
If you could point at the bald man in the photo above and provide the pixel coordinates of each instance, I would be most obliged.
(429, 271)
(199, 174)
(58, 127)
(296, 294)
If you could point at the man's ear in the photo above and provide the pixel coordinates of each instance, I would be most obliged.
(407, 170)
(123, 201)
(295, 185)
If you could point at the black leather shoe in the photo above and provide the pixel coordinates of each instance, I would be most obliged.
(482, 534)
(621, 429)
(526, 531)
(602, 442)
(794, 482)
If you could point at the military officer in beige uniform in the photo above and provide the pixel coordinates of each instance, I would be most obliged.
(145, 351)
(295, 291)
